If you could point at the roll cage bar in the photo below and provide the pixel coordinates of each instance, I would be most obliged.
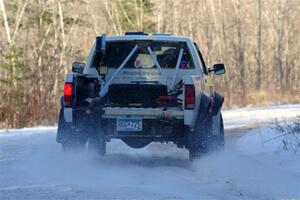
(105, 88)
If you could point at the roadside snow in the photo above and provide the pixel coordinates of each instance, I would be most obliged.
(262, 116)
(27, 131)
(265, 141)
(256, 166)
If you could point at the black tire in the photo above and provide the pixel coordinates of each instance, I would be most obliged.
(217, 140)
(208, 135)
(64, 129)
(97, 142)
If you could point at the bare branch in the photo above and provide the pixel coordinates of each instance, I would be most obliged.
(2, 7)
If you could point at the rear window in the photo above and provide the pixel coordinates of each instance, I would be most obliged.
(166, 53)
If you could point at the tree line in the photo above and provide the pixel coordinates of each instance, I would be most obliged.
(257, 40)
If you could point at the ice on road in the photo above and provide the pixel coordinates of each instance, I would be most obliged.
(33, 167)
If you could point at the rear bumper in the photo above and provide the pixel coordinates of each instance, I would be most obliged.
(71, 114)
(157, 124)
(145, 113)
(152, 129)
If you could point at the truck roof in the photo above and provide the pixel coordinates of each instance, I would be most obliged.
(164, 37)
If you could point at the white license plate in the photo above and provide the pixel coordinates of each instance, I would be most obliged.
(129, 124)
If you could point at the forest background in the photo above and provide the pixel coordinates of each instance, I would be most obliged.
(257, 40)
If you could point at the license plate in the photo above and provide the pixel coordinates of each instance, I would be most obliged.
(129, 124)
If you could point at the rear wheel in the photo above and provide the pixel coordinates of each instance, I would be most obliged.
(218, 141)
(208, 135)
(97, 142)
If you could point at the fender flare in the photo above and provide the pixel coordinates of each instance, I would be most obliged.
(205, 102)
(216, 103)
(64, 130)
(62, 102)
(210, 104)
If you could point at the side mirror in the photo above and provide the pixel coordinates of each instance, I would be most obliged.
(218, 69)
(78, 67)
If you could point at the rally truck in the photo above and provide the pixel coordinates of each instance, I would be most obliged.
(142, 88)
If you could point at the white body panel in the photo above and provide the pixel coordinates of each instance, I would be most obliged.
(190, 115)
(68, 114)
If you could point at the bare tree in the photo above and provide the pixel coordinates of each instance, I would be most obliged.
(257, 40)
(258, 45)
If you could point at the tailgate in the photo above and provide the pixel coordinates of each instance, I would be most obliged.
(145, 113)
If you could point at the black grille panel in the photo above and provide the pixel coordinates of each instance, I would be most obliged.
(143, 95)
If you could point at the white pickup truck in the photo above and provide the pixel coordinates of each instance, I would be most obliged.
(142, 88)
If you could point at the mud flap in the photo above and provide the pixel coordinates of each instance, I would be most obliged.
(64, 130)
(217, 103)
(205, 103)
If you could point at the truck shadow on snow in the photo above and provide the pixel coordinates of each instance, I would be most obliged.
(148, 161)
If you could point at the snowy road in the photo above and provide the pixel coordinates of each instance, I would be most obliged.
(32, 166)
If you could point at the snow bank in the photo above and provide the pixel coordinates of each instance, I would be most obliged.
(266, 141)
(256, 166)
(27, 131)
(260, 116)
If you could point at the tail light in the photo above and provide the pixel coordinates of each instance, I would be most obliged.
(68, 92)
(189, 97)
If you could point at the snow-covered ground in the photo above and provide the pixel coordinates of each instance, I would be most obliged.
(251, 167)
(262, 116)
